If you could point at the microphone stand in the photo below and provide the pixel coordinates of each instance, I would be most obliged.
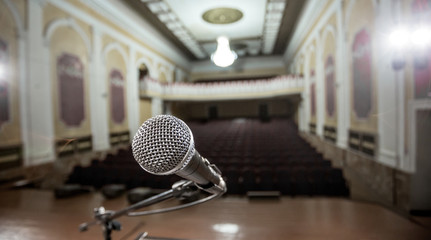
(106, 217)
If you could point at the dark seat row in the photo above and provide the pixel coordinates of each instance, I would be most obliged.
(289, 181)
(131, 177)
(252, 155)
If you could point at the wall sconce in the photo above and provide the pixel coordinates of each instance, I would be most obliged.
(421, 38)
(417, 42)
(398, 40)
(2, 71)
(223, 56)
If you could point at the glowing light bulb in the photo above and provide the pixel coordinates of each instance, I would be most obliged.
(223, 56)
(421, 37)
(2, 71)
(399, 38)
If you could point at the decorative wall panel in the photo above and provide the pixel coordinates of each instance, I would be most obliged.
(362, 79)
(117, 96)
(4, 84)
(70, 77)
(330, 87)
(313, 99)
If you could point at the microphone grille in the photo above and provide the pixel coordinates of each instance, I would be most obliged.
(163, 145)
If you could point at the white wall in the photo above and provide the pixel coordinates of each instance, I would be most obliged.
(390, 84)
(34, 52)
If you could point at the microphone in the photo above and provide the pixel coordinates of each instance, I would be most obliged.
(164, 145)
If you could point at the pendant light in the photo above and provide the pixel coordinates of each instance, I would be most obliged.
(223, 56)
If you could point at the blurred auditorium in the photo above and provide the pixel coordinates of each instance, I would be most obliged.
(315, 114)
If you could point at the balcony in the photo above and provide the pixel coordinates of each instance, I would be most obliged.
(232, 90)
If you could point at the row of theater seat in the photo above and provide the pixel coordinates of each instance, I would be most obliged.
(289, 181)
(131, 175)
(266, 156)
(253, 156)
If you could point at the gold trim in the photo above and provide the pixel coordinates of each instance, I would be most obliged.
(222, 15)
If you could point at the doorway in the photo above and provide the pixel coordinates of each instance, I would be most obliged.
(420, 193)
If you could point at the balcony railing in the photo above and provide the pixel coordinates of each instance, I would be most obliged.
(244, 89)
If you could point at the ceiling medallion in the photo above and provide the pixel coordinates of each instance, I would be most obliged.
(222, 15)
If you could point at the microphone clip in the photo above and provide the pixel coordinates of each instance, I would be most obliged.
(212, 188)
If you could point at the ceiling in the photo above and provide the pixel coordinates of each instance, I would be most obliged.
(263, 27)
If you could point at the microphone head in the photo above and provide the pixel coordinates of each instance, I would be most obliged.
(163, 145)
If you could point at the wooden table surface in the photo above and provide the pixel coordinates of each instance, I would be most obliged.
(36, 214)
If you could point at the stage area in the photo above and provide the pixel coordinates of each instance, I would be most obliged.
(36, 214)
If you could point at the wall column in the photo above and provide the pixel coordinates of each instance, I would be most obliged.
(22, 80)
(389, 92)
(40, 145)
(133, 93)
(342, 81)
(98, 96)
(306, 94)
(320, 90)
(156, 106)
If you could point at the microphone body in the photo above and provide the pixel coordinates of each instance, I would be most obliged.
(200, 171)
(164, 145)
